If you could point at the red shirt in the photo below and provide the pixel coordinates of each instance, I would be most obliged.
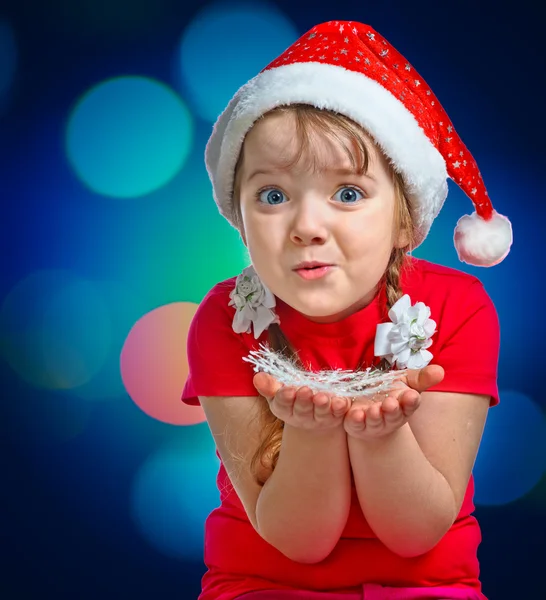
(466, 344)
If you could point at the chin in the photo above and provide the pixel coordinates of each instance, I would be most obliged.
(318, 310)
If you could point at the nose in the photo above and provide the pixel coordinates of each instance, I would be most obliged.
(310, 224)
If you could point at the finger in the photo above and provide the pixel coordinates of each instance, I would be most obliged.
(339, 406)
(266, 384)
(408, 399)
(392, 412)
(409, 402)
(374, 417)
(355, 419)
(322, 405)
(422, 379)
(282, 404)
(303, 404)
(390, 405)
(285, 397)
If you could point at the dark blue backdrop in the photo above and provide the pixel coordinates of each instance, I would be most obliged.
(93, 500)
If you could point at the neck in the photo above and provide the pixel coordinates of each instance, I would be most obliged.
(347, 312)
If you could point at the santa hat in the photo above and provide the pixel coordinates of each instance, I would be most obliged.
(349, 68)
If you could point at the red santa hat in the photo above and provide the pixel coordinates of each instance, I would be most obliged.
(349, 68)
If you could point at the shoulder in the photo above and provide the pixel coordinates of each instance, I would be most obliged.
(219, 293)
(457, 300)
(215, 304)
(214, 319)
(466, 342)
(440, 285)
(431, 275)
(215, 351)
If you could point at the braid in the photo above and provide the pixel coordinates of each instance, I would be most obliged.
(392, 277)
(267, 454)
(393, 290)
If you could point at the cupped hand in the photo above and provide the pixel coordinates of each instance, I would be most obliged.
(300, 407)
(372, 418)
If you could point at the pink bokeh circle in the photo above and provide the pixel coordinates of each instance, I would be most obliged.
(154, 364)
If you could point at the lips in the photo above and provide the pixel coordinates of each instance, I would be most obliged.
(312, 264)
(315, 271)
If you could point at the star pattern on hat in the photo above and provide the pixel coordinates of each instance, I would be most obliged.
(365, 51)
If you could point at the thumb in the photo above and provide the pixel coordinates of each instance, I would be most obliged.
(266, 384)
(422, 379)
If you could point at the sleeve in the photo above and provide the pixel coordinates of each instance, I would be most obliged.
(215, 353)
(469, 350)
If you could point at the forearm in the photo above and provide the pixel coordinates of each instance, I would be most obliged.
(303, 507)
(406, 501)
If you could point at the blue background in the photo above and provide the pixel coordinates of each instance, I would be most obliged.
(107, 214)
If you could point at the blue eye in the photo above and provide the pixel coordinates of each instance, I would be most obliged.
(349, 195)
(271, 196)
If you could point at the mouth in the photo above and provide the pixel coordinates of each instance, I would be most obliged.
(312, 264)
(313, 270)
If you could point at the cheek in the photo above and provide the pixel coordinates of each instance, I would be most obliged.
(252, 226)
(263, 229)
(261, 241)
(373, 232)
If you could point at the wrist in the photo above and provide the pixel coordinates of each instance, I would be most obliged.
(312, 433)
(380, 441)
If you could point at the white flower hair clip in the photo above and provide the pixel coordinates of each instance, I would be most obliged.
(340, 383)
(404, 342)
(253, 302)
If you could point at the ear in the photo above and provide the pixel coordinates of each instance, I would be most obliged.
(403, 239)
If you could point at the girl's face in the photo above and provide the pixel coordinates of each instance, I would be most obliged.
(319, 209)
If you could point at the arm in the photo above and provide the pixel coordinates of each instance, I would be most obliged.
(411, 482)
(303, 506)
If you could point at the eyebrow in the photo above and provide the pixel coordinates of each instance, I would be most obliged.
(259, 172)
(353, 172)
(340, 171)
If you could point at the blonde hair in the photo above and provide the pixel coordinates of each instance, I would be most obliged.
(339, 129)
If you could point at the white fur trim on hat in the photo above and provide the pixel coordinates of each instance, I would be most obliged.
(483, 243)
(352, 94)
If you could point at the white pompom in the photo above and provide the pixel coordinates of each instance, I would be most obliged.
(483, 243)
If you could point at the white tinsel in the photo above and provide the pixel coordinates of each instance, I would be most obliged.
(338, 382)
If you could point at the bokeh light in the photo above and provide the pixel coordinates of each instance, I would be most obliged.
(174, 492)
(129, 136)
(123, 199)
(512, 455)
(243, 37)
(124, 306)
(154, 364)
(55, 329)
(182, 246)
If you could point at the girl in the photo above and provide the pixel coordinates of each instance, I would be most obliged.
(332, 164)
